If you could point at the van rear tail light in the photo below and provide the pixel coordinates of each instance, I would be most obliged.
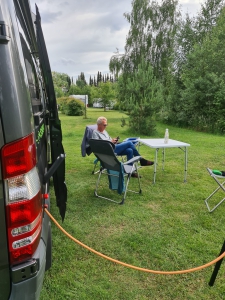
(23, 198)
(21, 187)
(19, 157)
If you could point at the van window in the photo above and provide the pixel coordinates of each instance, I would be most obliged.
(32, 79)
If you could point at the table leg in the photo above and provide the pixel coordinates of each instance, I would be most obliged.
(163, 158)
(155, 164)
(185, 165)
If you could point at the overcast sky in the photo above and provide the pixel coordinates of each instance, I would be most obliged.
(81, 35)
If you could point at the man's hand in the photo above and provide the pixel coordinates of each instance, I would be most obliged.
(114, 141)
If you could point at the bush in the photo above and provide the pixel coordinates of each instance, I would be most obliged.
(71, 106)
(74, 107)
(62, 104)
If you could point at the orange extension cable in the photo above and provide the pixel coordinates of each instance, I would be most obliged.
(131, 266)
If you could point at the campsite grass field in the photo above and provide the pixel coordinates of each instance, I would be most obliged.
(166, 228)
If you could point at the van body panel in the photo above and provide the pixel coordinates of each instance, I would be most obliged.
(28, 106)
(13, 80)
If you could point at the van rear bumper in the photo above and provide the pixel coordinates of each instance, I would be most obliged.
(30, 289)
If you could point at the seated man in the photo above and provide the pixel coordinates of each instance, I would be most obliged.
(125, 148)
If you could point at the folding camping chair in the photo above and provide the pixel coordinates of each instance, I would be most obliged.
(86, 149)
(220, 181)
(119, 173)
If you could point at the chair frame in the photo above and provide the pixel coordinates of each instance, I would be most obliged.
(128, 170)
(221, 182)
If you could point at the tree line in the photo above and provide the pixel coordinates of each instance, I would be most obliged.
(100, 89)
(101, 78)
(173, 66)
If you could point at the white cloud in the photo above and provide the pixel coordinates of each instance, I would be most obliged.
(81, 36)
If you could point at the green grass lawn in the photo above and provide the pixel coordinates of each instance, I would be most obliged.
(166, 228)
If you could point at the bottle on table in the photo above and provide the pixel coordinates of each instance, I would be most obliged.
(166, 138)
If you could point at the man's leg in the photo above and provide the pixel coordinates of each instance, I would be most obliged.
(121, 149)
(128, 152)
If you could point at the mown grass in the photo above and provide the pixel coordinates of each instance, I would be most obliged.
(166, 228)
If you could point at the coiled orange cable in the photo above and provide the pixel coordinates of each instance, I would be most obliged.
(131, 266)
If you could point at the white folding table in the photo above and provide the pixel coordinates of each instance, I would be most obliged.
(159, 144)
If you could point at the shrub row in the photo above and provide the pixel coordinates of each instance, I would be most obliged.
(71, 106)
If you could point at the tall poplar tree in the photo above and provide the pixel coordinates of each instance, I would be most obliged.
(151, 35)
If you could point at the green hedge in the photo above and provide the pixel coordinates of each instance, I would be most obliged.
(71, 106)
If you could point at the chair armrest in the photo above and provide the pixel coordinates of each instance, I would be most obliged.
(133, 160)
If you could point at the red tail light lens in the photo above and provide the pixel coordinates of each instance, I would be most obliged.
(23, 198)
(19, 157)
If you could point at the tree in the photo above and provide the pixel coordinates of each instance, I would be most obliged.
(207, 18)
(91, 81)
(61, 83)
(81, 89)
(81, 81)
(143, 98)
(152, 32)
(68, 81)
(204, 79)
(190, 33)
(58, 91)
(104, 92)
(75, 90)
(99, 77)
(95, 83)
(151, 35)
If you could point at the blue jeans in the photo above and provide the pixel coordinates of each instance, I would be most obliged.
(126, 148)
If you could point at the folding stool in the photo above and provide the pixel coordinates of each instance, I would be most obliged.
(220, 180)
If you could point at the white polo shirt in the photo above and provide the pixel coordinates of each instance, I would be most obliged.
(101, 135)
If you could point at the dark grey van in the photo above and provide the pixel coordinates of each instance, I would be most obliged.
(31, 152)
